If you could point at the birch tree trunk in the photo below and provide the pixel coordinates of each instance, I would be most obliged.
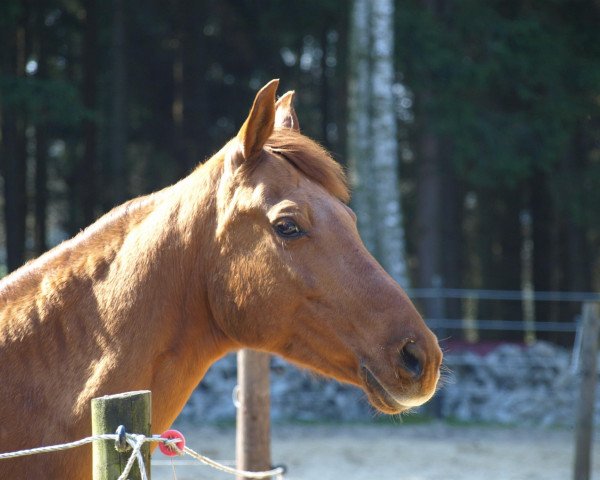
(372, 135)
(360, 150)
(385, 143)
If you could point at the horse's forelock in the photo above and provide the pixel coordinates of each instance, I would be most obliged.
(311, 160)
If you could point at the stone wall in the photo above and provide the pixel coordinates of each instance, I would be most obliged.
(511, 384)
(295, 395)
(514, 384)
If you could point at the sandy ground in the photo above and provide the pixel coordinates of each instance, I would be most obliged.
(406, 452)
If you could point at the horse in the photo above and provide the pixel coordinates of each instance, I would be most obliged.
(255, 248)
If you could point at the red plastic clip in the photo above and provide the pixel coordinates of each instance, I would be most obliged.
(172, 435)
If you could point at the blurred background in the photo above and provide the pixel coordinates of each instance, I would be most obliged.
(470, 131)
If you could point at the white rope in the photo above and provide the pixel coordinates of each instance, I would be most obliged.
(56, 448)
(136, 442)
(275, 472)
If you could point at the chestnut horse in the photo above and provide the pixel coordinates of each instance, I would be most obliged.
(255, 248)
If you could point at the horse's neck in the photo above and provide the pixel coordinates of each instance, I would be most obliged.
(123, 307)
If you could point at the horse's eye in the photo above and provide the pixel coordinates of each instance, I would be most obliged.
(287, 228)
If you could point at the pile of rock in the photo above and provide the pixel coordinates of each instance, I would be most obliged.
(295, 395)
(511, 384)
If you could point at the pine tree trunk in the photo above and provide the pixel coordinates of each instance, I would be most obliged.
(429, 195)
(324, 102)
(118, 130)
(342, 73)
(15, 198)
(15, 161)
(428, 207)
(451, 232)
(541, 230)
(40, 209)
(41, 190)
(576, 269)
(177, 102)
(88, 170)
(189, 122)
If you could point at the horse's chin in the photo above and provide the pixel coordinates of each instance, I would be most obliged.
(381, 398)
(378, 395)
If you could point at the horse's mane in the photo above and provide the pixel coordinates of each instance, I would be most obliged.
(310, 159)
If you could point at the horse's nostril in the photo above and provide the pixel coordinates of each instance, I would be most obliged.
(409, 359)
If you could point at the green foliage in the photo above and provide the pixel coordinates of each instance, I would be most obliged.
(579, 194)
(508, 82)
(46, 101)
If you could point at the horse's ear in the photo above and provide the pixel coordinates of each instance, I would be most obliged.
(259, 125)
(285, 115)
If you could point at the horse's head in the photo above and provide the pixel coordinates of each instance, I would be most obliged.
(293, 275)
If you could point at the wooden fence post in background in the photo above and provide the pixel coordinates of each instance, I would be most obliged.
(133, 411)
(253, 435)
(589, 371)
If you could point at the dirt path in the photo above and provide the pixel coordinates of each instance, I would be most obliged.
(407, 452)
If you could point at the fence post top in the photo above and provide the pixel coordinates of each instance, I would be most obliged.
(135, 393)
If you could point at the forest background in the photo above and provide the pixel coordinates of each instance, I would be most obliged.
(497, 140)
